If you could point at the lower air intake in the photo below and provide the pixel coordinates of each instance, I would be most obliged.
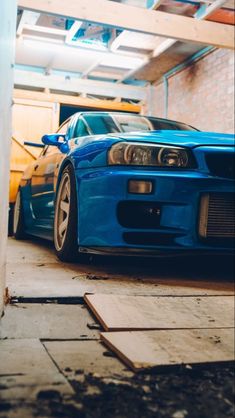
(217, 216)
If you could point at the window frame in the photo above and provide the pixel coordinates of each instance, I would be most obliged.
(82, 119)
(67, 121)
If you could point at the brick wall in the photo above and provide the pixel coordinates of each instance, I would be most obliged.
(202, 94)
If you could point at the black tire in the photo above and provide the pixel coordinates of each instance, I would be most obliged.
(10, 219)
(66, 247)
(18, 219)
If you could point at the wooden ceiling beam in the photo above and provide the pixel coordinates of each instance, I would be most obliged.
(75, 101)
(202, 13)
(152, 22)
(27, 18)
(78, 85)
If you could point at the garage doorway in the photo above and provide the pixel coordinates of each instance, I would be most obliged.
(68, 110)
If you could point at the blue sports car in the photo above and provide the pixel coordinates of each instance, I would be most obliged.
(129, 184)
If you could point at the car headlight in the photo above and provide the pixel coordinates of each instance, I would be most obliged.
(123, 153)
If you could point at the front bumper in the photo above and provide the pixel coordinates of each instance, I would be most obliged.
(176, 197)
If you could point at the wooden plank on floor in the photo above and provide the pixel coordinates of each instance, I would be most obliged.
(119, 312)
(145, 349)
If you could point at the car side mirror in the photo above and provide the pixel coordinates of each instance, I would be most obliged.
(53, 139)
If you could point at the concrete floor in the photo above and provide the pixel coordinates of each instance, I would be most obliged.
(48, 338)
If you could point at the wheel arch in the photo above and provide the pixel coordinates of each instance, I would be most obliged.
(64, 164)
(69, 247)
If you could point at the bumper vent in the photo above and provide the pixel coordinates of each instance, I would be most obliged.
(221, 165)
(139, 215)
(217, 216)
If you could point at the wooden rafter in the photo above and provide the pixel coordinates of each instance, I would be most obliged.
(203, 13)
(80, 86)
(144, 21)
(75, 101)
(27, 18)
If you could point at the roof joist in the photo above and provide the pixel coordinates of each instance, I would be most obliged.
(32, 79)
(109, 13)
(203, 12)
(32, 96)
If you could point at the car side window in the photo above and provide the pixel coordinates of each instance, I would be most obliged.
(62, 130)
(80, 129)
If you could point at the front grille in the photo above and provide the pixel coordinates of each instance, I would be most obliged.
(221, 165)
(216, 220)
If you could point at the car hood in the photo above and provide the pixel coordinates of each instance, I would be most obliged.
(189, 139)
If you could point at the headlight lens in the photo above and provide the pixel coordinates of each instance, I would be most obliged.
(123, 153)
(173, 157)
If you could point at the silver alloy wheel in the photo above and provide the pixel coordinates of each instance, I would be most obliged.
(62, 212)
(16, 217)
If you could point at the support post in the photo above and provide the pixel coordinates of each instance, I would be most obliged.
(8, 10)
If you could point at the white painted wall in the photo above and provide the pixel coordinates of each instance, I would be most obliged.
(7, 54)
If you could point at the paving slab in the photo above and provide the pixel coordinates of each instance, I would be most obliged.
(15, 409)
(47, 321)
(26, 368)
(29, 386)
(75, 358)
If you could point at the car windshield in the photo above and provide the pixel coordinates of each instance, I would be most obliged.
(106, 124)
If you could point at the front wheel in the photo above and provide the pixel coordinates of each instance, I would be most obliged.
(10, 219)
(66, 217)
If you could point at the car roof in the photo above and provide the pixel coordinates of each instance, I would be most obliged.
(100, 113)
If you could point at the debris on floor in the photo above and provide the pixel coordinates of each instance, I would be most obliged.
(53, 364)
(179, 393)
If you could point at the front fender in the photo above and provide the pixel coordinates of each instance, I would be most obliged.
(90, 152)
(64, 163)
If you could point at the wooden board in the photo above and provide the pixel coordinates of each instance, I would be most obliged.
(119, 312)
(147, 21)
(76, 101)
(160, 64)
(21, 157)
(145, 349)
(31, 119)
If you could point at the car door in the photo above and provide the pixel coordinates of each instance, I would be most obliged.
(42, 184)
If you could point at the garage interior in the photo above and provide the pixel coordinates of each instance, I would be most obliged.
(79, 339)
